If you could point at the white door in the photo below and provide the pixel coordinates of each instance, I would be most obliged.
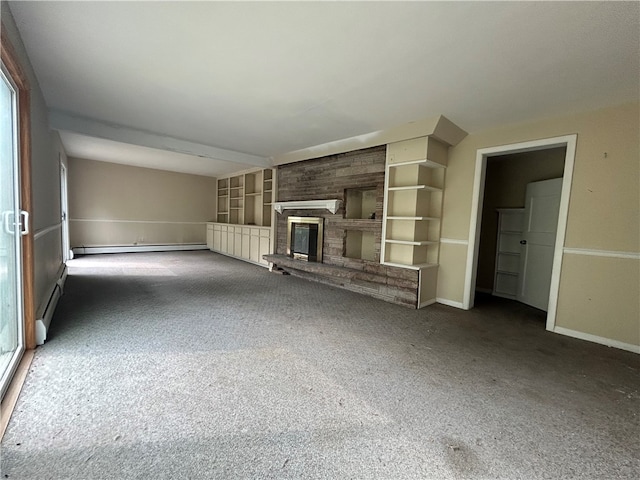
(542, 205)
(11, 320)
(64, 207)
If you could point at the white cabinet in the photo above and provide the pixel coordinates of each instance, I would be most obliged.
(210, 236)
(507, 268)
(248, 243)
(217, 237)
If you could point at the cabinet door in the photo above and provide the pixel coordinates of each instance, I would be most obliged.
(230, 238)
(224, 240)
(246, 248)
(237, 242)
(210, 237)
(217, 239)
(254, 246)
(264, 249)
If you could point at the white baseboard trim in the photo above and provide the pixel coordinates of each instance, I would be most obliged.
(596, 339)
(137, 248)
(450, 303)
(42, 324)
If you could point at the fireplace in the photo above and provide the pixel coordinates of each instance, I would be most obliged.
(304, 238)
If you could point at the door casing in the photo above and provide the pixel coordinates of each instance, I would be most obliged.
(567, 141)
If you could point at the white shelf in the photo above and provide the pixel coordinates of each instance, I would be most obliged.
(254, 194)
(415, 187)
(412, 242)
(412, 218)
(423, 163)
(417, 266)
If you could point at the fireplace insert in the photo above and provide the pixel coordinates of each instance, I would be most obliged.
(304, 238)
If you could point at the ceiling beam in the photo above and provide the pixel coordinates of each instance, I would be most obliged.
(59, 120)
(440, 127)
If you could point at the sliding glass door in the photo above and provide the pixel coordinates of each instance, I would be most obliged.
(11, 301)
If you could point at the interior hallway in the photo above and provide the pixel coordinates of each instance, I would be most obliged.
(195, 365)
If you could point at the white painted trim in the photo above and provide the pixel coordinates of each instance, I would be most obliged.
(42, 324)
(597, 339)
(477, 200)
(563, 216)
(454, 241)
(451, 303)
(568, 141)
(426, 303)
(137, 248)
(44, 231)
(95, 128)
(331, 205)
(602, 253)
(106, 220)
(385, 213)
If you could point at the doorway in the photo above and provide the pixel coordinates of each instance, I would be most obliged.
(480, 262)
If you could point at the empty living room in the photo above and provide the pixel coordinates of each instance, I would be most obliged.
(304, 240)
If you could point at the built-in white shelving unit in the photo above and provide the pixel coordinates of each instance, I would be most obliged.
(414, 180)
(507, 268)
(244, 226)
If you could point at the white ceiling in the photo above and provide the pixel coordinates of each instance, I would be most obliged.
(269, 78)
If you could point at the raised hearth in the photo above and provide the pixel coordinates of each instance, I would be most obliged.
(392, 284)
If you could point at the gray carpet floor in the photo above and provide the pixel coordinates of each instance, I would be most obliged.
(193, 365)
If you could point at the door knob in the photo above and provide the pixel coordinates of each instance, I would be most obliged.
(523, 242)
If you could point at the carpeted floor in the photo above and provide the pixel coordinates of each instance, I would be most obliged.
(193, 365)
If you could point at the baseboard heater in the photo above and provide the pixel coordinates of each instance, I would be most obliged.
(137, 248)
(42, 324)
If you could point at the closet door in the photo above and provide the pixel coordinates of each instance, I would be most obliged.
(542, 207)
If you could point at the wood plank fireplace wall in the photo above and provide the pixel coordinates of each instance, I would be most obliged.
(329, 178)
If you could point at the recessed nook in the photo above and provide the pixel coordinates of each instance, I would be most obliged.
(360, 202)
(360, 245)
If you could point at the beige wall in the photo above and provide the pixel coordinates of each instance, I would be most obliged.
(112, 204)
(505, 186)
(604, 213)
